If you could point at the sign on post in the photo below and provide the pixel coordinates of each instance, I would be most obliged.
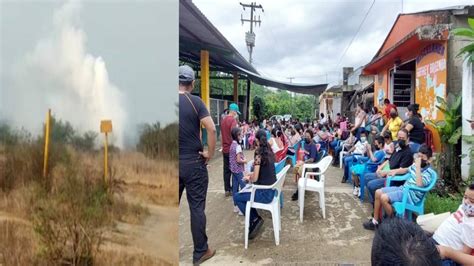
(106, 127)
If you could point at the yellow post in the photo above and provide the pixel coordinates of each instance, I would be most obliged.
(106, 168)
(205, 78)
(236, 92)
(46, 143)
(106, 127)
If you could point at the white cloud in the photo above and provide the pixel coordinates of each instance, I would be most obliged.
(305, 39)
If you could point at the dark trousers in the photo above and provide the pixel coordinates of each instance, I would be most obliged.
(194, 177)
(227, 172)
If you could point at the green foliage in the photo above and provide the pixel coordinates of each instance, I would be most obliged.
(86, 142)
(468, 50)
(280, 102)
(258, 107)
(450, 130)
(156, 142)
(62, 132)
(437, 204)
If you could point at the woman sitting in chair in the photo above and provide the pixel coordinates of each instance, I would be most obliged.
(263, 174)
(359, 168)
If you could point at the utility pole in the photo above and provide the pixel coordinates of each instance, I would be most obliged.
(250, 35)
(291, 79)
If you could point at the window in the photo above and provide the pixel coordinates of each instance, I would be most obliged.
(402, 88)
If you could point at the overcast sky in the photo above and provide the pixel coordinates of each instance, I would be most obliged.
(306, 39)
(137, 42)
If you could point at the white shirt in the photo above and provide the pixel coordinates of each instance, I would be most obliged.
(456, 231)
(360, 148)
(275, 147)
(323, 120)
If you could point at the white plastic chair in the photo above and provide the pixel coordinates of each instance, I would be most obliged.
(273, 207)
(304, 183)
(343, 152)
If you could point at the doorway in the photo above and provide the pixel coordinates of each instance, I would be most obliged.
(402, 87)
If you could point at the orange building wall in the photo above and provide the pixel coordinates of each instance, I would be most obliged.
(431, 82)
(403, 26)
(426, 88)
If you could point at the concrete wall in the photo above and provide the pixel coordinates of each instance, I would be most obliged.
(455, 43)
(467, 165)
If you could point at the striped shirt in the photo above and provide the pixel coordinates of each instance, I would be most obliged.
(427, 175)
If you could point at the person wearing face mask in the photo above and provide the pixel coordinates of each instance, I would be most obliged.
(310, 156)
(455, 236)
(398, 164)
(415, 128)
(421, 175)
(358, 168)
(356, 152)
(393, 125)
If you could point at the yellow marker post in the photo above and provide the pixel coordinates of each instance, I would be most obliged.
(106, 127)
(46, 143)
(205, 88)
(205, 78)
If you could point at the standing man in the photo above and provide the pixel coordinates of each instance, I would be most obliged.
(229, 122)
(193, 159)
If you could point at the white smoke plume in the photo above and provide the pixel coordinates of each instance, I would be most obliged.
(60, 74)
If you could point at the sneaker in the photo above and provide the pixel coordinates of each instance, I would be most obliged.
(358, 192)
(354, 191)
(369, 225)
(344, 179)
(240, 213)
(294, 197)
(209, 254)
(228, 194)
(236, 209)
(255, 227)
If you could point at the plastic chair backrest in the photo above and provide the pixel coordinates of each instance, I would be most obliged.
(280, 180)
(280, 165)
(321, 165)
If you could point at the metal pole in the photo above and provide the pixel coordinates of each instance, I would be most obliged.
(248, 100)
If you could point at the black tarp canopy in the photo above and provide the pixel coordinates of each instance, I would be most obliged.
(197, 33)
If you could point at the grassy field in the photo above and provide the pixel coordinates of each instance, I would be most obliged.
(40, 219)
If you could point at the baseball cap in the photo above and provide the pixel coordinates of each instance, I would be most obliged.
(186, 73)
(234, 107)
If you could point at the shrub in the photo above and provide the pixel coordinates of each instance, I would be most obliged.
(156, 142)
(437, 204)
(70, 220)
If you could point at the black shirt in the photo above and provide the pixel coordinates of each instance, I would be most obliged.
(417, 133)
(190, 116)
(401, 159)
(267, 173)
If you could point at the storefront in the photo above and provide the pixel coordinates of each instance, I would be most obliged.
(411, 66)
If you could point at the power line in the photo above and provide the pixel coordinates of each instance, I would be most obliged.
(360, 26)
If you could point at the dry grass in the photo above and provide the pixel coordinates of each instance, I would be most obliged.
(138, 180)
(16, 246)
(151, 181)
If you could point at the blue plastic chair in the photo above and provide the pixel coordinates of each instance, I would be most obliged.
(294, 156)
(278, 167)
(404, 208)
(369, 167)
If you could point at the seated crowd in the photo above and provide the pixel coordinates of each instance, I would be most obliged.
(375, 147)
